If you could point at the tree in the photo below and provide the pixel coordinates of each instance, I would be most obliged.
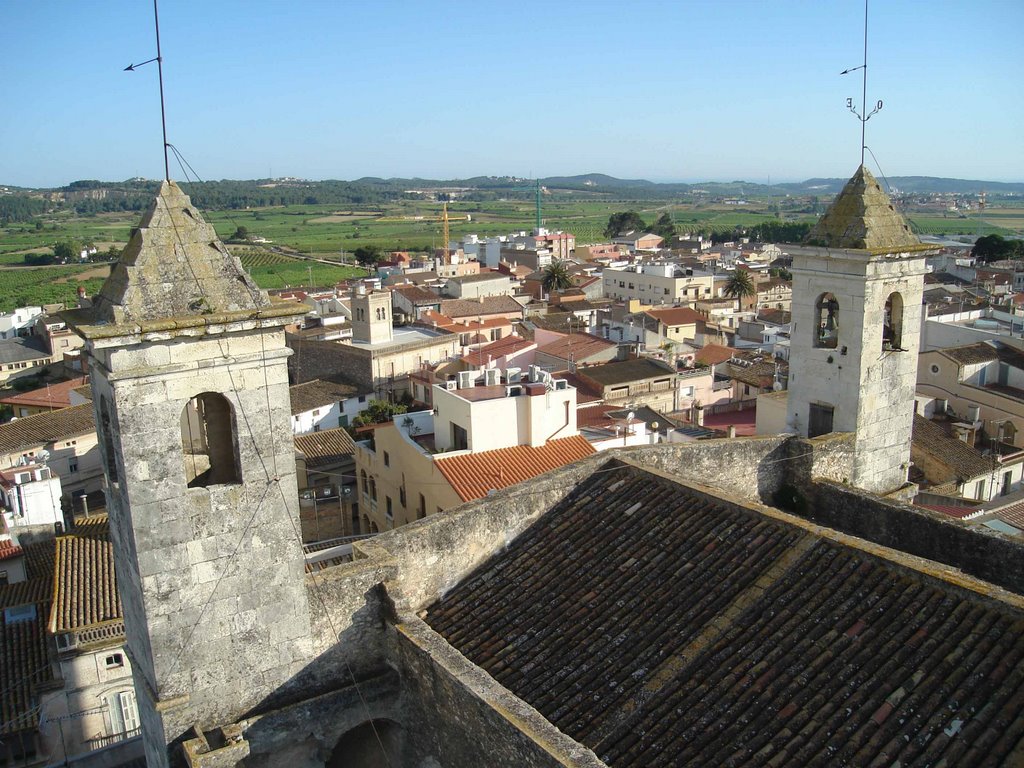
(556, 276)
(995, 247)
(626, 221)
(740, 285)
(377, 412)
(664, 227)
(367, 255)
(65, 252)
(240, 234)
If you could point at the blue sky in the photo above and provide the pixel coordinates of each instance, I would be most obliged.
(685, 90)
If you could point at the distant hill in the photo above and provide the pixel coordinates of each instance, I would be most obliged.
(370, 190)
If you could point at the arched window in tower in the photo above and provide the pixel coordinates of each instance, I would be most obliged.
(209, 441)
(110, 457)
(892, 322)
(826, 328)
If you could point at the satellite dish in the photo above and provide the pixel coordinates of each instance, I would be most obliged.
(630, 416)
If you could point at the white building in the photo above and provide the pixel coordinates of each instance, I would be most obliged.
(31, 496)
(654, 284)
(13, 322)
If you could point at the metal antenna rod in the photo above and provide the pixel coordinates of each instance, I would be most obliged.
(163, 112)
(863, 115)
(863, 99)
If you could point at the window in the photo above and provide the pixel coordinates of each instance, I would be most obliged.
(981, 491)
(73, 465)
(316, 411)
(209, 443)
(826, 332)
(422, 511)
(362, 398)
(5, 580)
(892, 323)
(460, 438)
(362, 481)
(343, 420)
(389, 512)
(387, 459)
(113, 661)
(124, 715)
(935, 369)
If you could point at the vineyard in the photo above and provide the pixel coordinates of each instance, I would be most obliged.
(46, 285)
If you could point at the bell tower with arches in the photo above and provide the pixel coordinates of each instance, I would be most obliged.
(857, 292)
(187, 362)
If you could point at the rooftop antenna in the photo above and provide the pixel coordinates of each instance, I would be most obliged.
(864, 93)
(160, 68)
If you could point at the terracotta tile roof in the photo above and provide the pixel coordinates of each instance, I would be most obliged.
(660, 625)
(84, 391)
(1012, 514)
(417, 296)
(24, 646)
(777, 316)
(712, 354)
(626, 371)
(53, 396)
(971, 354)
(318, 394)
(676, 316)
(24, 667)
(586, 391)
(85, 587)
(963, 460)
(579, 346)
(472, 475)
(47, 427)
(328, 446)
(496, 349)
(490, 305)
(9, 549)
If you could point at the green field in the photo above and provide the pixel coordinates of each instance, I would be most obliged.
(332, 233)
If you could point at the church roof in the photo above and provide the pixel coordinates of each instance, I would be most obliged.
(862, 217)
(659, 624)
(175, 266)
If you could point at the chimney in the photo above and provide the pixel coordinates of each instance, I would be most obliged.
(732, 430)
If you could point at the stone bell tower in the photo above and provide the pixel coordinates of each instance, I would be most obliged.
(188, 367)
(857, 292)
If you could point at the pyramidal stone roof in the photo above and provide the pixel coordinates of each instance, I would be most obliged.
(862, 217)
(175, 266)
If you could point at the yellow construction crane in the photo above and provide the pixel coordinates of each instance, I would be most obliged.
(445, 234)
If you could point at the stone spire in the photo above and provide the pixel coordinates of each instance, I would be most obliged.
(175, 266)
(862, 217)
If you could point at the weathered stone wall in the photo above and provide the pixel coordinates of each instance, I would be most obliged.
(979, 552)
(457, 715)
(430, 556)
(329, 361)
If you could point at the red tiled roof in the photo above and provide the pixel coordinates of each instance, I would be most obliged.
(9, 549)
(579, 345)
(958, 512)
(677, 316)
(52, 396)
(659, 625)
(85, 587)
(474, 474)
(712, 354)
(496, 349)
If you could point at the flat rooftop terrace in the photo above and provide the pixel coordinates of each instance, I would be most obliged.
(402, 337)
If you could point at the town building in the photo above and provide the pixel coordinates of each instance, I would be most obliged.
(979, 382)
(318, 405)
(654, 284)
(660, 605)
(484, 432)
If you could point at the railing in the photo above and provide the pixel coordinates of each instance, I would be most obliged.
(68, 641)
(736, 405)
(115, 738)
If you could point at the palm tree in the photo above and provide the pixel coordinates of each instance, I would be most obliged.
(740, 285)
(556, 276)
